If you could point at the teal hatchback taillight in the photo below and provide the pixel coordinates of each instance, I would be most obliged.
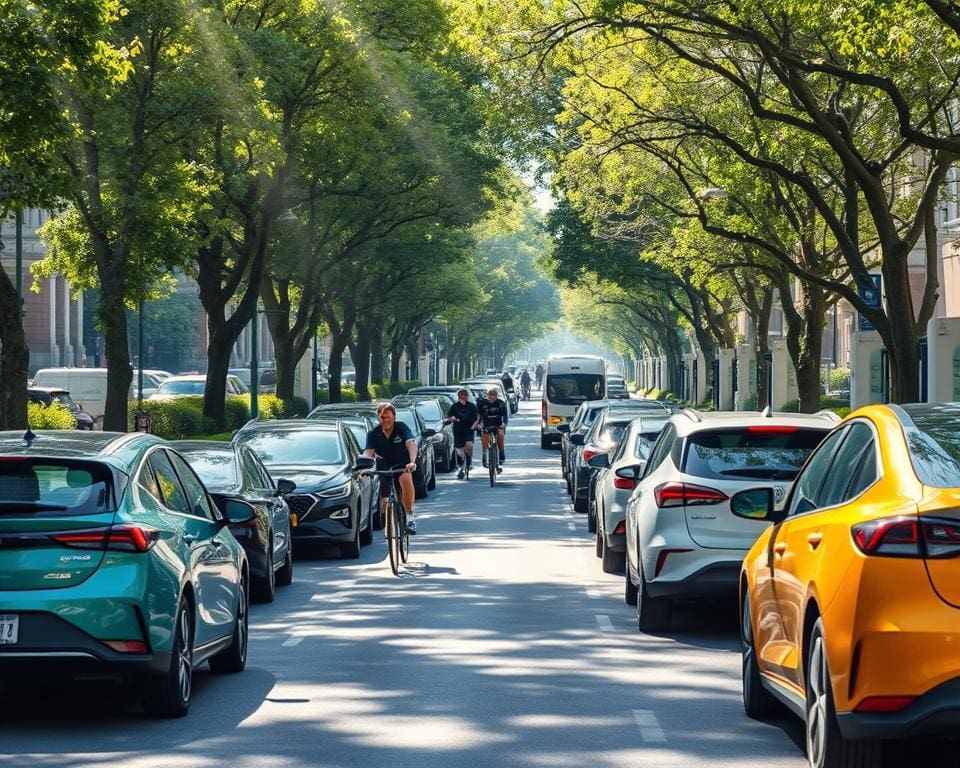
(124, 538)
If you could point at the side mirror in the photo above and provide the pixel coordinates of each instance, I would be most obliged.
(285, 486)
(429, 432)
(563, 428)
(753, 504)
(364, 463)
(237, 511)
(599, 461)
(576, 439)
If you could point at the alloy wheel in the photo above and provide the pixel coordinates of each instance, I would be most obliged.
(817, 682)
(184, 655)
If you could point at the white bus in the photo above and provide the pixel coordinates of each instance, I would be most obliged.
(569, 380)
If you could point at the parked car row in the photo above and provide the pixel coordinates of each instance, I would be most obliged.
(842, 541)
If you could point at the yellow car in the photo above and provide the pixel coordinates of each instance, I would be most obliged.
(850, 602)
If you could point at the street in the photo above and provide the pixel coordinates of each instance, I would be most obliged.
(502, 644)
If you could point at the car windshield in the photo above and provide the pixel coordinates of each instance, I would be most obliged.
(217, 469)
(59, 487)
(294, 446)
(430, 411)
(62, 397)
(933, 435)
(755, 452)
(181, 387)
(573, 388)
(407, 417)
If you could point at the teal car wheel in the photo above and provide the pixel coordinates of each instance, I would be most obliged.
(168, 695)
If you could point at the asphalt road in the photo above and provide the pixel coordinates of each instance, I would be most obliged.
(503, 644)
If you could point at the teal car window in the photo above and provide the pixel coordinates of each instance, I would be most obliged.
(55, 486)
(171, 493)
(147, 482)
(198, 503)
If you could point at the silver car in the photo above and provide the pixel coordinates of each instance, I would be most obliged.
(615, 484)
(682, 538)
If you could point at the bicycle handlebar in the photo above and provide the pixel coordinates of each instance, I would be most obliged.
(392, 472)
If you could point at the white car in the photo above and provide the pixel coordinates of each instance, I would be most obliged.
(615, 485)
(682, 540)
(194, 385)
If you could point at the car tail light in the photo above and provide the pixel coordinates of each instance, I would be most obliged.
(589, 453)
(124, 538)
(662, 558)
(770, 429)
(686, 495)
(624, 483)
(620, 529)
(908, 536)
(126, 646)
(873, 704)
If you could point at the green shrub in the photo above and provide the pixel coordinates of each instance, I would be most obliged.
(237, 411)
(396, 388)
(841, 412)
(834, 402)
(347, 395)
(300, 407)
(323, 396)
(174, 419)
(380, 391)
(840, 378)
(53, 416)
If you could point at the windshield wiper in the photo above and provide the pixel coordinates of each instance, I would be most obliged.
(773, 473)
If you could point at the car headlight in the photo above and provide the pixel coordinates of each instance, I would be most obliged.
(337, 492)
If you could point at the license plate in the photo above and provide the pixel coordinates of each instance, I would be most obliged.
(9, 628)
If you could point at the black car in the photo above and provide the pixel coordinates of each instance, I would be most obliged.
(344, 409)
(331, 503)
(433, 410)
(425, 476)
(49, 395)
(230, 470)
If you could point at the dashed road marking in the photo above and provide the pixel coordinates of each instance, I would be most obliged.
(293, 640)
(594, 593)
(572, 526)
(650, 729)
(603, 621)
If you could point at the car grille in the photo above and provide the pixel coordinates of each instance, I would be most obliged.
(301, 505)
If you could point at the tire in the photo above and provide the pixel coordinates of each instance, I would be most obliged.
(591, 516)
(265, 589)
(579, 505)
(233, 659)
(758, 702)
(393, 541)
(599, 544)
(629, 589)
(351, 549)
(653, 613)
(285, 572)
(168, 695)
(366, 535)
(545, 442)
(611, 561)
(433, 477)
(826, 747)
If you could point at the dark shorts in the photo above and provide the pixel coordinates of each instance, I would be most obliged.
(461, 439)
(385, 487)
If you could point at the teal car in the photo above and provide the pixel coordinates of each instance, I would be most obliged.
(114, 561)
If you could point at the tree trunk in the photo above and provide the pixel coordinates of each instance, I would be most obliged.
(376, 357)
(396, 352)
(14, 358)
(808, 362)
(286, 360)
(335, 366)
(219, 348)
(414, 360)
(898, 334)
(360, 351)
(113, 321)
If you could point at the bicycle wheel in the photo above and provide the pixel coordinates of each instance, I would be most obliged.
(403, 539)
(393, 541)
(492, 461)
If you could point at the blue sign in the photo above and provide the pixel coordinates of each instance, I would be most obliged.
(871, 295)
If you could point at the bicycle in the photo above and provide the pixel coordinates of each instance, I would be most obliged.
(493, 454)
(394, 516)
(525, 390)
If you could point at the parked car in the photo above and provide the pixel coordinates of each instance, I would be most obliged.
(266, 379)
(433, 413)
(602, 438)
(683, 540)
(345, 409)
(230, 470)
(484, 386)
(615, 483)
(616, 387)
(116, 562)
(425, 475)
(88, 386)
(194, 385)
(331, 503)
(46, 396)
(849, 602)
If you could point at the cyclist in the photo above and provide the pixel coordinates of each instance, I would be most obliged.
(392, 444)
(539, 374)
(493, 415)
(464, 416)
(525, 384)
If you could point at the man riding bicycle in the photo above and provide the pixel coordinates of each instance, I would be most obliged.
(493, 418)
(464, 416)
(525, 384)
(392, 444)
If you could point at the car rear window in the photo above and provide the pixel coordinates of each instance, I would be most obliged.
(429, 411)
(181, 388)
(48, 486)
(933, 435)
(574, 388)
(758, 452)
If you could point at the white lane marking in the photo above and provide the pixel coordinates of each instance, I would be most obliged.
(572, 526)
(603, 621)
(650, 729)
(594, 593)
(292, 640)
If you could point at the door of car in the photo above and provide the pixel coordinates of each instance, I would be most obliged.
(263, 493)
(813, 530)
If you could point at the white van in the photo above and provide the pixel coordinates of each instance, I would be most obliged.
(569, 381)
(88, 386)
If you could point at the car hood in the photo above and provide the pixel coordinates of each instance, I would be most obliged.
(308, 478)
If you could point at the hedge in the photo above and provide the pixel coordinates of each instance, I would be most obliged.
(377, 391)
(53, 416)
(183, 416)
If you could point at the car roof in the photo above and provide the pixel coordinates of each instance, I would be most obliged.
(276, 425)
(49, 390)
(204, 445)
(117, 448)
(689, 420)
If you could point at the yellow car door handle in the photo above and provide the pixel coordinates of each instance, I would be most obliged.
(814, 540)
